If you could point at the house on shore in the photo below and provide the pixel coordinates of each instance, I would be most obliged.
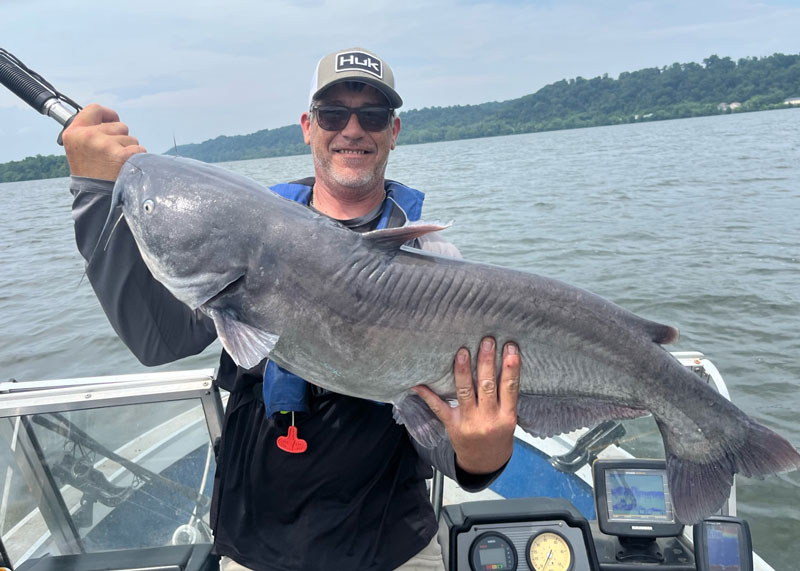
(792, 101)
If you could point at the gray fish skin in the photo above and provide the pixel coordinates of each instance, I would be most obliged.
(359, 315)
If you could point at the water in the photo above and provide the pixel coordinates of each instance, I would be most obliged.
(691, 222)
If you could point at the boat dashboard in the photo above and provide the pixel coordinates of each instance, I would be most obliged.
(549, 534)
(635, 529)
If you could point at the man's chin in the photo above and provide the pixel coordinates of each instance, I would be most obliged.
(354, 180)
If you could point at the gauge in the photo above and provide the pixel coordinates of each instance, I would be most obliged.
(549, 551)
(492, 551)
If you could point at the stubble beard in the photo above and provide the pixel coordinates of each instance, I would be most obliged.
(357, 183)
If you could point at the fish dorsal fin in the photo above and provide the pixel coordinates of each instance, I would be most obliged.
(657, 332)
(393, 238)
(247, 345)
(662, 334)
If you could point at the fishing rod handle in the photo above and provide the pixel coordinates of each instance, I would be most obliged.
(24, 86)
(58, 111)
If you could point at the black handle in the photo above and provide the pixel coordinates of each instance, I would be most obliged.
(24, 86)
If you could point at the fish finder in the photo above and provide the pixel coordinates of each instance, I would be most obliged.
(633, 499)
(634, 504)
(722, 543)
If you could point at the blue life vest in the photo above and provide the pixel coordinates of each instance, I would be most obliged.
(285, 391)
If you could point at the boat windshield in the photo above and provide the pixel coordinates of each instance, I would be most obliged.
(91, 467)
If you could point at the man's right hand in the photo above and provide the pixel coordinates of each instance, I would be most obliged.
(98, 144)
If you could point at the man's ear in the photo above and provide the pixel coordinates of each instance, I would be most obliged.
(305, 124)
(395, 131)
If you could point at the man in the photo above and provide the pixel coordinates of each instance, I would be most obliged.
(356, 498)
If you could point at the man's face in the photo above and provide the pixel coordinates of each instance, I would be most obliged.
(352, 158)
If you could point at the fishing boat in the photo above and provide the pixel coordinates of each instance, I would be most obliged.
(115, 473)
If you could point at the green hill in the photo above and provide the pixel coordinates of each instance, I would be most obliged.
(718, 85)
(33, 168)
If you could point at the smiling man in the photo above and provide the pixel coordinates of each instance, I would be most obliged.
(351, 128)
(349, 158)
(337, 484)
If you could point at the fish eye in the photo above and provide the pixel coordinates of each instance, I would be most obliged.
(148, 206)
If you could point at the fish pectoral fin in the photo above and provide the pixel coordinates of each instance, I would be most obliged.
(419, 420)
(247, 345)
(393, 238)
(545, 416)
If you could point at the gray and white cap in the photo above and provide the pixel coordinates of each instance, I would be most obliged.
(354, 64)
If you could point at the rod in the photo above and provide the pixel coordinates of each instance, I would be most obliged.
(36, 91)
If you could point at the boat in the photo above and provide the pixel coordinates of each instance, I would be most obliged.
(115, 473)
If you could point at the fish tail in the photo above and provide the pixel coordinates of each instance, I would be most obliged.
(699, 485)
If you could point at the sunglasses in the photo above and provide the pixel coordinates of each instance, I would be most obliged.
(336, 117)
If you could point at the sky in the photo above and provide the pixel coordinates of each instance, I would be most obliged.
(194, 70)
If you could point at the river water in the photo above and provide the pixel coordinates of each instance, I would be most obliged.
(694, 223)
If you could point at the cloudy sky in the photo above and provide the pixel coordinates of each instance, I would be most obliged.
(198, 69)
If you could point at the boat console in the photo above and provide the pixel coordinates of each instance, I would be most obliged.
(525, 533)
(549, 534)
(635, 530)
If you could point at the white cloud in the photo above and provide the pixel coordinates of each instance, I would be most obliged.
(203, 69)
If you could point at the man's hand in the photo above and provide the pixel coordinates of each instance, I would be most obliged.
(98, 144)
(481, 427)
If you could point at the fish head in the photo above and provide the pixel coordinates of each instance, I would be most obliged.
(181, 215)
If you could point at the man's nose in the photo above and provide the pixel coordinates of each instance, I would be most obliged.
(353, 129)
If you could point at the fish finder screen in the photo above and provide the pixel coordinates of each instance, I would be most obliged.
(723, 546)
(639, 495)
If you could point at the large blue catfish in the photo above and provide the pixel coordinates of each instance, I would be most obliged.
(360, 315)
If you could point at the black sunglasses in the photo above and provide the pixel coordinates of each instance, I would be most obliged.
(336, 117)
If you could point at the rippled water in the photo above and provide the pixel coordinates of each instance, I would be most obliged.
(695, 223)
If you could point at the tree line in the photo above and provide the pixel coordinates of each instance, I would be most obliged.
(670, 92)
(33, 168)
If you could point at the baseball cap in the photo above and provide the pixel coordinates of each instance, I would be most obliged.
(354, 64)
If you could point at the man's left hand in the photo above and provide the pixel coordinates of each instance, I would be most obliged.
(481, 427)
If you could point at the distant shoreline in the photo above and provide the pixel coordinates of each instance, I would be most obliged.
(715, 87)
(60, 161)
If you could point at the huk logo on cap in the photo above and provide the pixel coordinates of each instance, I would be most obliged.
(359, 61)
